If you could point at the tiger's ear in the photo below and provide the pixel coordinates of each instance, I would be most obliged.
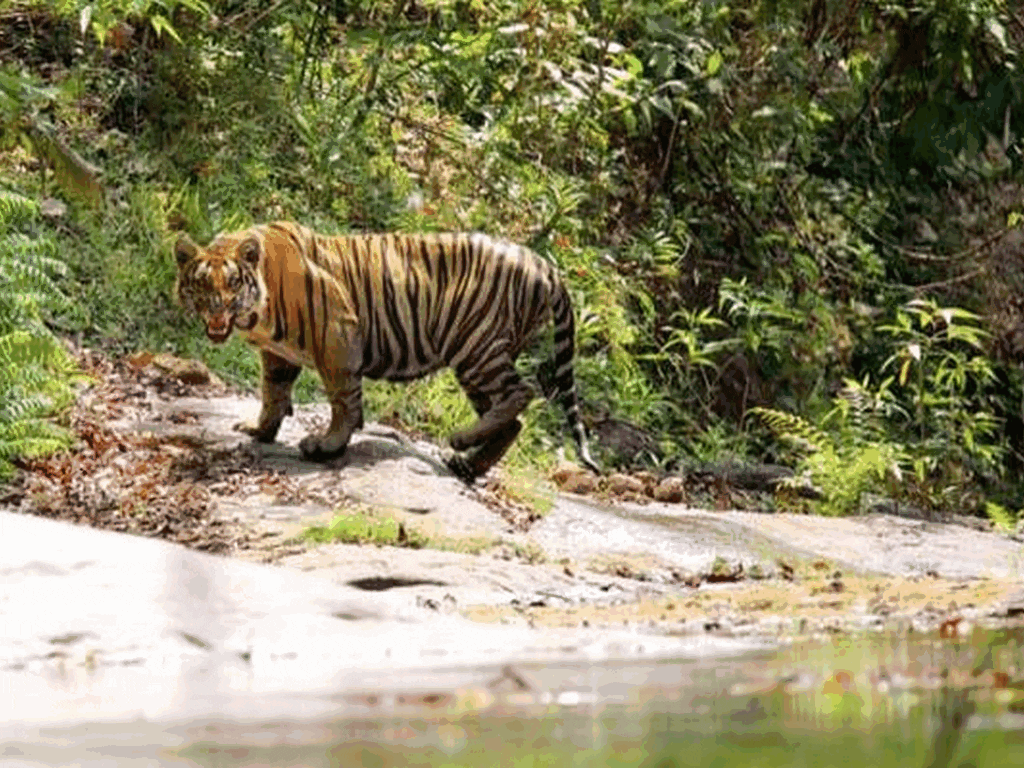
(249, 251)
(185, 250)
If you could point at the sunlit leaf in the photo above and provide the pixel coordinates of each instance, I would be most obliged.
(161, 24)
(84, 16)
(714, 63)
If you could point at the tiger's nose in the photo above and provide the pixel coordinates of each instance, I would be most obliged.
(218, 322)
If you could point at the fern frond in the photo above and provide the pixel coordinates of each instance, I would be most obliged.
(29, 448)
(1000, 516)
(34, 379)
(793, 429)
(20, 407)
(31, 438)
(23, 349)
(15, 209)
(844, 468)
(35, 369)
(858, 414)
(25, 261)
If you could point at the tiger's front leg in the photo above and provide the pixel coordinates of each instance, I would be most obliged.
(278, 377)
(345, 393)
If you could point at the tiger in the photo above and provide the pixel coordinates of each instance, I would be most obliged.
(385, 306)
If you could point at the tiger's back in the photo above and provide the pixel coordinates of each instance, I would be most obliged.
(389, 306)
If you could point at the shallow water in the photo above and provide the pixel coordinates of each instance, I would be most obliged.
(878, 700)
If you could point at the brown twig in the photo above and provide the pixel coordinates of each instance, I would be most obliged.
(918, 290)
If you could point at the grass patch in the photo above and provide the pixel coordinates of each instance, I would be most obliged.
(524, 480)
(366, 529)
(470, 545)
(383, 529)
(434, 406)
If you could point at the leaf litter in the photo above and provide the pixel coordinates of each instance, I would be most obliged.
(136, 483)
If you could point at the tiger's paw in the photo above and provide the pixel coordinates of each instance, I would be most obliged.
(458, 441)
(462, 469)
(263, 435)
(320, 448)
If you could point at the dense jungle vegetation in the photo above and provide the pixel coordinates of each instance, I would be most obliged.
(792, 228)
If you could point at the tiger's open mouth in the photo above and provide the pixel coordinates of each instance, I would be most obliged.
(219, 328)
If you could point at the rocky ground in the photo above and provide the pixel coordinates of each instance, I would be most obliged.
(157, 456)
(222, 627)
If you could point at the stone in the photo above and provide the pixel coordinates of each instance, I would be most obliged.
(186, 371)
(571, 478)
(670, 490)
(623, 485)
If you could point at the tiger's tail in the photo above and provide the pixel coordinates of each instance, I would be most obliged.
(565, 384)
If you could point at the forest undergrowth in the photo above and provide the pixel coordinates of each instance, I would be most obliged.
(791, 230)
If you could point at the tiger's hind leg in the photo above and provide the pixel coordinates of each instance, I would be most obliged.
(278, 377)
(499, 396)
(477, 461)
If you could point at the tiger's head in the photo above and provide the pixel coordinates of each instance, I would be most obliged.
(222, 282)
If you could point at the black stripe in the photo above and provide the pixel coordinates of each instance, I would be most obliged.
(537, 297)
(280, 321)
(311, 311)
(371, 344)
(439, 287)
(325, 313)
(394, 321)
(428, 263)
(413, 297)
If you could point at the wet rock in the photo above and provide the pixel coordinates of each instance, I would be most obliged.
(571, 478)
(625, 485)
(669, 490)
(167, 366)
(186, 371)
(649, 479)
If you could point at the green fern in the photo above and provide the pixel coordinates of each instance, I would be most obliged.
(35, 370)
(1002, 518)
(28, 289)
(35, 382)
(853, 461)
(795, 430)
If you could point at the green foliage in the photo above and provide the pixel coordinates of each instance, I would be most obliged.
(742, 198)
(34, 367)
(27, 287)
(1001, 517)
(851, 460)
(366, 529)
(24, 103)
(434, 406)
(101, 16)
(944, 378)
(34, 374)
